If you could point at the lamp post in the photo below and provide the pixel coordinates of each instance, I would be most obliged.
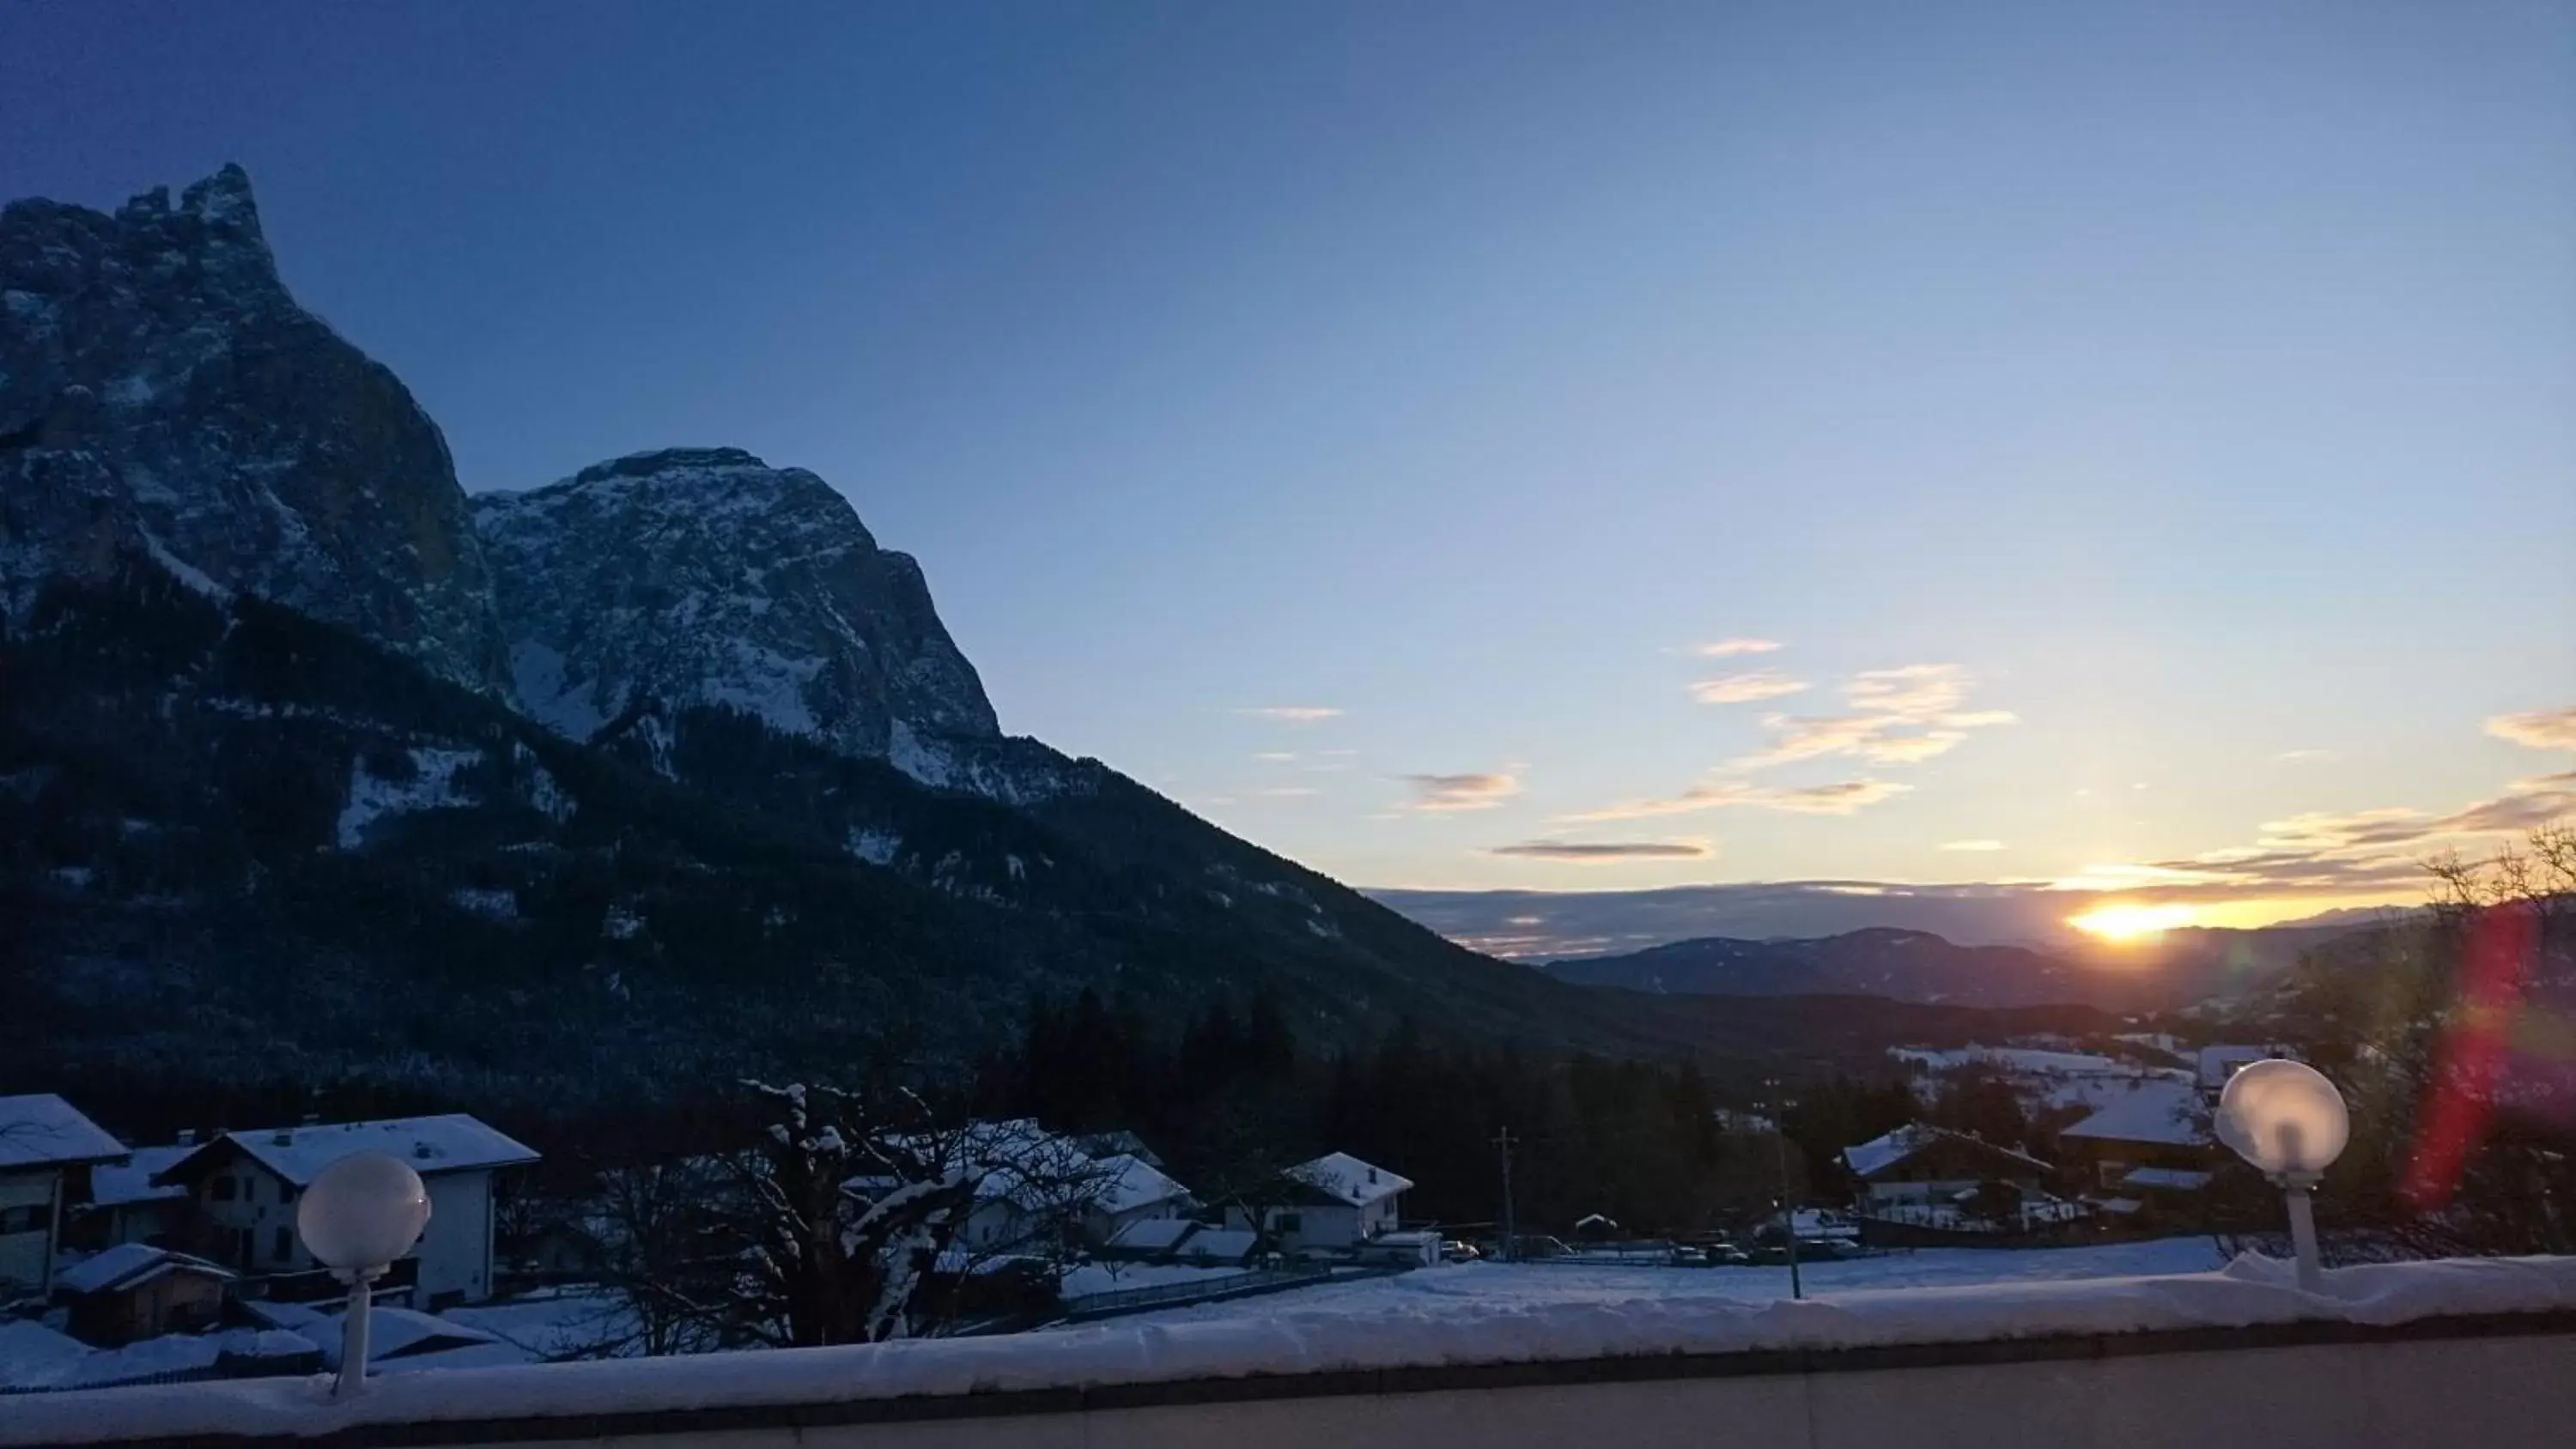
(359, 1215)
(1780, 1106)
(2289, 1121)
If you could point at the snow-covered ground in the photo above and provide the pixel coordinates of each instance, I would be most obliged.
(1504, 1284)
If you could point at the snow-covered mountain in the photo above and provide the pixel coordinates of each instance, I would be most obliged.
(702, 576)
(161, 391)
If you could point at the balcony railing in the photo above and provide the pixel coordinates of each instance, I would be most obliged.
(2480, 1352)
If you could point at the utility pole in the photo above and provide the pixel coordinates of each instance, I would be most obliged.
(1788, 1210)
(1511, 1236)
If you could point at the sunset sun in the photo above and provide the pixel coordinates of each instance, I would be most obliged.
(2131, 923)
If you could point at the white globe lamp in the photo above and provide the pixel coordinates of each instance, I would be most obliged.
(360, 1214)
(2290, 1122)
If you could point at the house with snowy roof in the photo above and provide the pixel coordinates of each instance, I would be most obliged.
(125, 1205)
(1334, 1202)
(47, 1149)
(1131, 1190)
(2160, 1126)
(1037, 1189)
(136, 1291)
(242, 1188)
(1921, 1165)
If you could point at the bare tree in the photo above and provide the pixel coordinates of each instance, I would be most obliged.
(2452, 1151)
(661, 1229)
(843, 1214)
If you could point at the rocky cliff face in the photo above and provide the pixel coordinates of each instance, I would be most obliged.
(703, 576)
(161, 392)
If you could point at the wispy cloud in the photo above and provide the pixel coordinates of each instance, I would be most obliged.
(1736, 648)
(1916, 691)
(1277, 757)
(1287, 792)
(1745, 688)
(1604, 852)
(2540, 729)
(1292, 713)
(1972, 845)
(1440, 794)
(2298, 757)
(1901, 716)
(1843, 798)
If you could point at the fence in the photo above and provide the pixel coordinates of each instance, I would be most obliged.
(1199, 1290)
(223, 1368)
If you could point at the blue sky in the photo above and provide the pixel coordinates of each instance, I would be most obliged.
(2191, 383)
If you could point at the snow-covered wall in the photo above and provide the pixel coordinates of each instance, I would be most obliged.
(2388, 1354)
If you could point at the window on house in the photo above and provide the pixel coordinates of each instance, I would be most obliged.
(222, 1191)
(283, 1247)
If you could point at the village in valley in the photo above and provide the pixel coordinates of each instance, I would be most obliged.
(127, 1263)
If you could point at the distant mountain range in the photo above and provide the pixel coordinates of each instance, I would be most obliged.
(2184, 966)
(1525, 925)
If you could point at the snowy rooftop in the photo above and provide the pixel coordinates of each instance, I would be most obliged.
(2171, 1179)
(117, 1184)
(430, 1145)
(43, 1130)
(1130, 1183)
(2218, 1063)
(393, 1333)
(1219, 1245)
(1344, 1177)
(1262, 1337)
(29, 1351)
(2158, 1112)
(1881, 1153)
(130, 1265)
(35, 1357)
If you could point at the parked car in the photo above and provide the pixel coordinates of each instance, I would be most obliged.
(1458, 1251)
(1686, 1256)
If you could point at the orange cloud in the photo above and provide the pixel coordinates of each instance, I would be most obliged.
(1736, 648)
(1745, 688)
(1440, 794)
(1844, 798)
(2540, 729)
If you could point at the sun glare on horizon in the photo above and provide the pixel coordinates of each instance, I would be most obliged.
(2132, 923)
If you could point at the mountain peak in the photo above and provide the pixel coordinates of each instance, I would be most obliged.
(223, 198)
(667, 460)
(162, 394)
(705, 577)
